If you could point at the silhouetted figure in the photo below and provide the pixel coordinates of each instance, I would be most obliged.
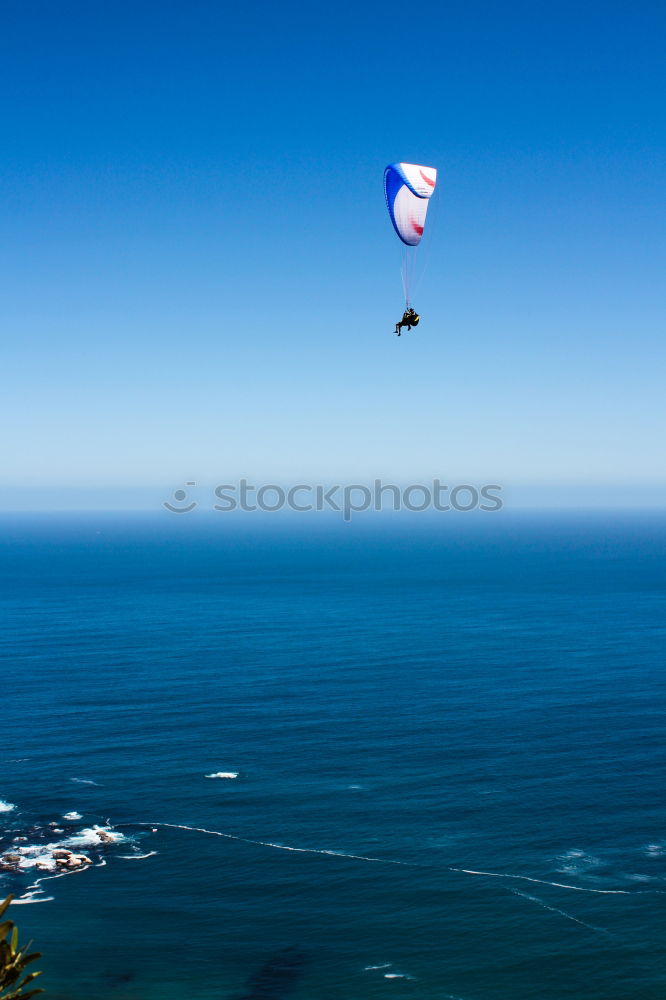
(409, 319)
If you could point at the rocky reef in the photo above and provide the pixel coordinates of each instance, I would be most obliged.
(53, 848)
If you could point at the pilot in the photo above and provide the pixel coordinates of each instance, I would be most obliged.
(409, 319)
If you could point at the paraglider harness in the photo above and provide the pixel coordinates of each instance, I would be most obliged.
(409, 319)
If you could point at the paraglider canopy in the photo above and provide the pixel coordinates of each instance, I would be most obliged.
(408, 187)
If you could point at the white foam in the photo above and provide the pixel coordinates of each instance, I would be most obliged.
(6, 807)
(34, 889)
(90, 837)
(371, 968)
(73, 815)
(577, 862)
(137, 857)
(44, 859)
(541, 881)
(42, 856)
(222, 774)
(27, 898)
(32, 856)
(83, 781)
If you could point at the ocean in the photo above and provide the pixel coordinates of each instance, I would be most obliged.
(447, 736)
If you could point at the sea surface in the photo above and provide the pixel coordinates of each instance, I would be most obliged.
(448, 736)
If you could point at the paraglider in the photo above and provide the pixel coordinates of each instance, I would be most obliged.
(409, 319)
(408, 188)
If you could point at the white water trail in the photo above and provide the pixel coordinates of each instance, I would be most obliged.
(26, 899)
(278, 847)
(562, 913)
(541, 881)
(34, 888)
(391, 861)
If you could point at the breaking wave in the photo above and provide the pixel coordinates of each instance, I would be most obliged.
(94, 836)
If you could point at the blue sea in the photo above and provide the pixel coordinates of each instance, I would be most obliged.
(448, 737)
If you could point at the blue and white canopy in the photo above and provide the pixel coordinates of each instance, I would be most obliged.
(408, 187)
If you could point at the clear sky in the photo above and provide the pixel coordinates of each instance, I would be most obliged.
(200, 280)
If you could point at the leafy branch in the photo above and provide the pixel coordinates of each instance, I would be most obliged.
(13, 961)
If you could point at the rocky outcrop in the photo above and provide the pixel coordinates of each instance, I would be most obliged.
(45, 861)
(67, 859)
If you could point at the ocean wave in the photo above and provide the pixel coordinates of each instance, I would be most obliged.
(84, 781)
(577, 862)
(73, 815)
(137, 857)
(6, 807)
(94, 836)
(371, 968)
(36, 857)
(28, 898)
(222, 774)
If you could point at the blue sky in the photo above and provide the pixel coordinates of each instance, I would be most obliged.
(200, 280)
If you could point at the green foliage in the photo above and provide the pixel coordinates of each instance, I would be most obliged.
(13, 961)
